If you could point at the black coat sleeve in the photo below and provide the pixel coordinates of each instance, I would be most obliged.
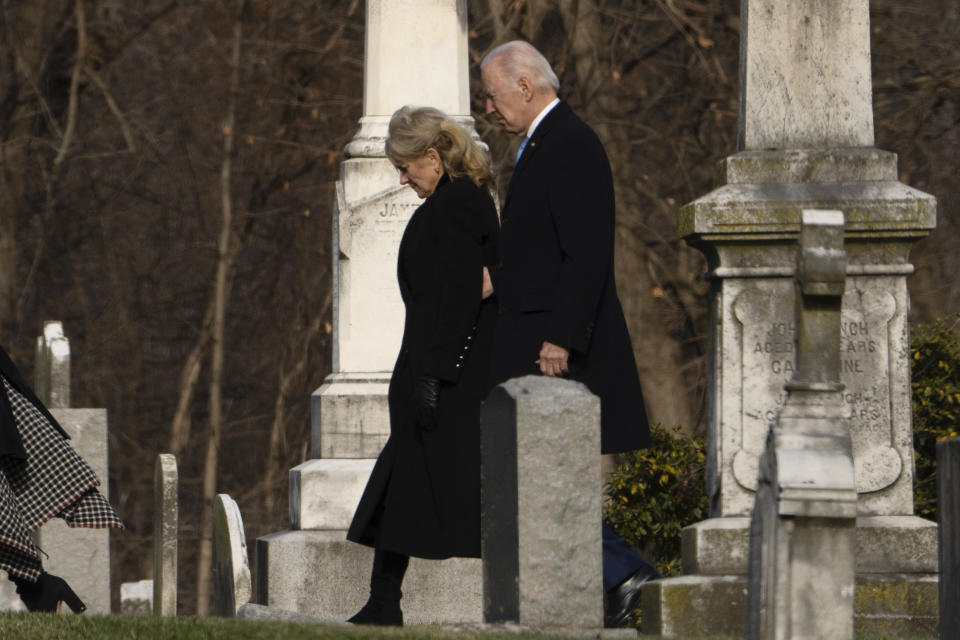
(582, 206)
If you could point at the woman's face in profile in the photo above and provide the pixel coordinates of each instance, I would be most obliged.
(422, 174)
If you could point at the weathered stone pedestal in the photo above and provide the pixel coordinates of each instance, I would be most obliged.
(806, 142)
(416, 53)
(748, 229)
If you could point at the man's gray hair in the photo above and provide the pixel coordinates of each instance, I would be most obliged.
(518, 58)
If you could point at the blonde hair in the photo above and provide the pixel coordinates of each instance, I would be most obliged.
(413, 130)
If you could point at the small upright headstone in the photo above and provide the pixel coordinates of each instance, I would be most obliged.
(165, 524)
(52, 370)
(231, 568)
(136, 598)
(948, 510)
(541, 514)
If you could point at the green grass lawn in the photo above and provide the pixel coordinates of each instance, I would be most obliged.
(93, 627)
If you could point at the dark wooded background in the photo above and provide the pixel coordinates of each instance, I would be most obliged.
(166, 181)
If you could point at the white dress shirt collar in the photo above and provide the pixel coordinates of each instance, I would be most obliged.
(541, 116)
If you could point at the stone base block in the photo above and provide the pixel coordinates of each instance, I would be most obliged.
(349, 416)
(897, 605)
(885, 544)
(321, 574)
(324, 493)
(694, 606)
(691, 606)
(716, 547)
(896, 544)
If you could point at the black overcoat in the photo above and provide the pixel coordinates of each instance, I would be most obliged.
(10, 442)
(423, 496)
(555, 281)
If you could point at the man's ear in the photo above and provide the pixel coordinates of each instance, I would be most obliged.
(526, 88)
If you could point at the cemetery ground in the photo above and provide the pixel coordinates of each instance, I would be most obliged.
(49, 627)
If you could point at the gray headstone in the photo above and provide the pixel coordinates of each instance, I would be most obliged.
(52, 370)
(231, 567)
(802, 541)
(541, 514)
(948, 511)
(136, 598)
(79, 555)
(166, 517)
(319, 573)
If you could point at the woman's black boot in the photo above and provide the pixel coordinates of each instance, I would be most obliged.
(47, 594)
(383, 606)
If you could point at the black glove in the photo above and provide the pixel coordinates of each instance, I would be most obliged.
(426, 401)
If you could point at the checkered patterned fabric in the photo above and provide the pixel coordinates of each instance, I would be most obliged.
(52, 481)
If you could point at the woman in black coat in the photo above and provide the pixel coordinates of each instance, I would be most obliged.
(41, 477)
(423, 496)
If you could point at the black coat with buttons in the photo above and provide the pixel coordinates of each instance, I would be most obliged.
(555, 282)
(423, 496)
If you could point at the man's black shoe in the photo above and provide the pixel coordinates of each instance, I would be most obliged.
(624, 598)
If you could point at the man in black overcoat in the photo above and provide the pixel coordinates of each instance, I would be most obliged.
(559, 310)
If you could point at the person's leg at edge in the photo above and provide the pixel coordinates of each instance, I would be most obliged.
(624, 571)
(386, 578)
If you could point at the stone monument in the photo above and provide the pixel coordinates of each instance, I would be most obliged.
(540, 452)
(805, 141)
(415, 53)
(801, 531)
(166, 518)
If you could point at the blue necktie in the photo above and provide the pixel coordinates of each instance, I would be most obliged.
(523, 145)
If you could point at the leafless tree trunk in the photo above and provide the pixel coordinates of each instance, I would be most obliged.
(221, 294)
(189, 376)
(278, 445)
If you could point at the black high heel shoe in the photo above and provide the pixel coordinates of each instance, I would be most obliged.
(48, 593)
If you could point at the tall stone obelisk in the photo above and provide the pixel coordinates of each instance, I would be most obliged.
(415, 53)
(806, 142)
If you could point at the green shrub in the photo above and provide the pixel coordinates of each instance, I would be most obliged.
(935, 373)
(656, 492)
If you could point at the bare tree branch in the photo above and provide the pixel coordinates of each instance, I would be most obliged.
(204, 562)
(112, 105)
(74, 84)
